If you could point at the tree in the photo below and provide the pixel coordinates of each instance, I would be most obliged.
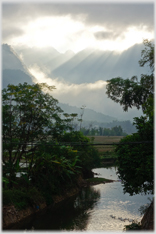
(88, 154)
(30, 114)
(117, 130)
(100, 131)
(69, 119)
(135, 161)
(147, 55)
(131, 92)
(32, 132)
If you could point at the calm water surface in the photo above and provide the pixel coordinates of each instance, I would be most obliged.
(90, 210)
(114, 202)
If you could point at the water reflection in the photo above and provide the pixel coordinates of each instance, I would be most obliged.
(114, 202)
(108, 173)
(72, 214)
(91, 209)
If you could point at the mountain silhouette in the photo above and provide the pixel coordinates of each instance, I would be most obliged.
(88, 65)
(14, 70)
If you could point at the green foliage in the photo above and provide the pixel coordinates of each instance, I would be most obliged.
(136, 161)
(54, 166)
(127, 126)
(147, 55)
(32, 130)
(69, 120)
(16, 197)
(135, 165)
(133, 227)
(21, 198)
(114, 131)
(5, 181)
(107, 155)
(131, 92)
(74, 136)
(88, 155)
(30, 114)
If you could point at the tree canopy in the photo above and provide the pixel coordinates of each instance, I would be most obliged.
(29, 115)
(135, 160)
(132, 92)
(32, 132)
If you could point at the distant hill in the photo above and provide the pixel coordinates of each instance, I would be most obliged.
(14, 70)
(86, 66)
(89, 115)
(46, 58)
(15, 77)
(89, 66)
(93, 119)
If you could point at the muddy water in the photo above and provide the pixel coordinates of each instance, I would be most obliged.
(91, 209)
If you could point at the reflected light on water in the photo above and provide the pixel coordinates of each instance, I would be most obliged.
(92, 209)
(113, 202)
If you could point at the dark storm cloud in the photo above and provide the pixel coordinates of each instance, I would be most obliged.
(112, 15)
(95, 13)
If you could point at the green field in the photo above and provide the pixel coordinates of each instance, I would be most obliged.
(105, 149)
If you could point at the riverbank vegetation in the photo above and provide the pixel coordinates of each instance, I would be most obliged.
(137, 159)
(43, 156)
(98, 180)
(106, 148)
(35, 164)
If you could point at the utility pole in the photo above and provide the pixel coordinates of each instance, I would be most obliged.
(81, 115)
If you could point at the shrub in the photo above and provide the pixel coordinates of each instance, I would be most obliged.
(22, 198)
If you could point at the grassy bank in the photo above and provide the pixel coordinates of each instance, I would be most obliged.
(97, 180)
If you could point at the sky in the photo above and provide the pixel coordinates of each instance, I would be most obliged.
(77, 26)
(107, 26)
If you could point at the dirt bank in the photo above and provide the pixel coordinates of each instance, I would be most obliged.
(147, 222)
(12, 215)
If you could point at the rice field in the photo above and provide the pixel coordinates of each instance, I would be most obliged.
(105, 140)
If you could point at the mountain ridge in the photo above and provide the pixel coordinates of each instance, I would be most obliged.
(88, 65)
(17, 72)
(101, 66)
(89, 114)
(20, 74)
(14, 70)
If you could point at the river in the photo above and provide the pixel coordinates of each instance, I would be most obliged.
(91, 209)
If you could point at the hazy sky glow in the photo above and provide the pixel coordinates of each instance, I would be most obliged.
(106, 26)
(77, 26)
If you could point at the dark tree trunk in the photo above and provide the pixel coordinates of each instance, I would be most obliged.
(147, 222)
